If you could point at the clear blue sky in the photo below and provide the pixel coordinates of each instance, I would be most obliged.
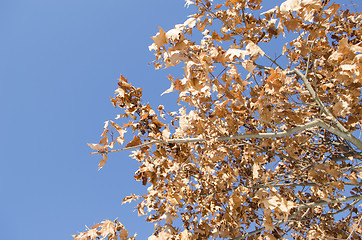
(59, 62)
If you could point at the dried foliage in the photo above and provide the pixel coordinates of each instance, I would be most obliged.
(261, 147)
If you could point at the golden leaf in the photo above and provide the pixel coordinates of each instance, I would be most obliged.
(248, 65)
(123, 235)
(103, 161)
(108, 228)
(231, 54)
(131, 198)
(290, 6)
(253, 49)
(96, 146)
(191, 22)
(136, 141)
(174, 35)
(159, 40)
(218, 6)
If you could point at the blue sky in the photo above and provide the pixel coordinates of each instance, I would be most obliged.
(59, 63)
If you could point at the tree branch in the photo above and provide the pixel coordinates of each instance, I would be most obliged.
(315, 123)
(343, 209)
(288, 132)
(341, 131)
(299, 184)
(317, 100)
(354, 228)
(338, 200)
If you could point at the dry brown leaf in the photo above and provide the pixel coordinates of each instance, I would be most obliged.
(103, 161)
(97, 147)
(231, 54)
(159, 40)
(136, 141)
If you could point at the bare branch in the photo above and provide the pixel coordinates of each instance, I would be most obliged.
(315, 123)
(354, 228)
(299, 184)
(288, 132)
(338, 200)
(317, 100)
(343, 209)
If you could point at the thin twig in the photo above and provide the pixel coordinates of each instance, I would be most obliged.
(354, 228)
(321, 203)
(343, 209)
(127, 148)
(309, 56)
(301, 219)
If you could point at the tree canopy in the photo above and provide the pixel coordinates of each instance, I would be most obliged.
(266, 141)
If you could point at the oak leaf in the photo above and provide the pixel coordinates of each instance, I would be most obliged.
(253, 49)
(290, 6)
(174, 35)
(97, 147)
(131, 198)
(135, 141)
(159, 40)
(190, 22)
(103, 161)
(108, 228)
(231, 54)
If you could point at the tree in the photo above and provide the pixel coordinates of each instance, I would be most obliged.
(262, 147)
